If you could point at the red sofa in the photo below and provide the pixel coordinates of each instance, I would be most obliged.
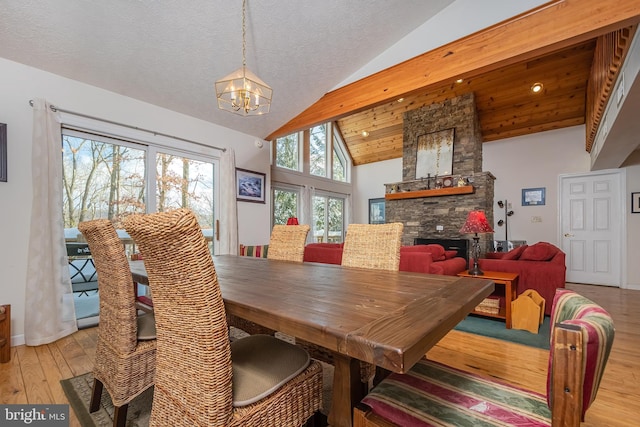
(430, 259)
(540, 267)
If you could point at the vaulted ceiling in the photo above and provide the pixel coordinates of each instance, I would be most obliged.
(559, 44)
(169, 53)
(505, 103)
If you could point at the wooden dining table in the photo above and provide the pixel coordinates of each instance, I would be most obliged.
(387, 318)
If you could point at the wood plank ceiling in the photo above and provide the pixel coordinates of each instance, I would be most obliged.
(505, 103)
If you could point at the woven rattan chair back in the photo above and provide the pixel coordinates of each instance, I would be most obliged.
(124, 365)
(374, 246)
(193, 376)
(194, 367)
(287, 242)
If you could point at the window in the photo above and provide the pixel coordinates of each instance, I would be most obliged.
(326, 156)
(185, 183)
(328, 219)
(108, 178)
(339, 160)
(285, 205)
(288, 152)
(101, 179)
(312, 169)
(318, 150)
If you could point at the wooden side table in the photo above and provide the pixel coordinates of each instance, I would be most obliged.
(510, 282)
(5, 333)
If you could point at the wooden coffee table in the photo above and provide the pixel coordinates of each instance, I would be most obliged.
(510, 282)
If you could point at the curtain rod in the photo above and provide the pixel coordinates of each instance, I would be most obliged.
(56, 109)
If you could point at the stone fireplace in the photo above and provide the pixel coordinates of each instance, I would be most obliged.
(438, 213)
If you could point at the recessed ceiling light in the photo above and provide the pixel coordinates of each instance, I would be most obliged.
(400, 99)
(459, 81)
(537, 87)
(365, 133)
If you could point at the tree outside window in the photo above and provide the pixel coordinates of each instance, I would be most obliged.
(287, 152)
(328, 219)
(318, 150)
(285, 205)
(104, 179)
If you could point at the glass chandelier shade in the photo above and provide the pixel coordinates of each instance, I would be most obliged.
(242, 92)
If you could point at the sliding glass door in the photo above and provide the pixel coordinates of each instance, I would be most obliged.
(106, 177)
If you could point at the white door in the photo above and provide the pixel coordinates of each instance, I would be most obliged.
(591, 224)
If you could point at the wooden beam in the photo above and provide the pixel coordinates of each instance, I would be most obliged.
(552, 26)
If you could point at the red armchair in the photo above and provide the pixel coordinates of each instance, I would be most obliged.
(540, 266)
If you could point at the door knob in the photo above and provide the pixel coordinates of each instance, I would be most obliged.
(568, 235)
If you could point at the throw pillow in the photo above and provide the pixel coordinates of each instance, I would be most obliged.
(450, 254)
(258, 251)
(514, 253)
(436, 251)
(541, 251)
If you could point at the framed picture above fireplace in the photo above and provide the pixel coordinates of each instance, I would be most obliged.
(434, 155)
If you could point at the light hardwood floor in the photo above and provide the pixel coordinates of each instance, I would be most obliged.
(34, 373)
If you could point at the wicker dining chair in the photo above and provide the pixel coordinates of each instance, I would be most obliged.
(433, 393)
(126, 350)
(201, 377)
(375, 246)
(286, 244)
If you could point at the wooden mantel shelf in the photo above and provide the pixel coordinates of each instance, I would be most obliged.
(467, 189)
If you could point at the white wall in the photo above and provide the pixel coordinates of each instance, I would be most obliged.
(18, 85)
(368, 183)
(533, 161)
(633, 221)
(530, 161)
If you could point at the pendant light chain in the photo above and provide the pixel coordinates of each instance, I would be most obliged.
(244, 33)
(242, 92)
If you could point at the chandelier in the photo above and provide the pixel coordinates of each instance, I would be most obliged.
(242, 92)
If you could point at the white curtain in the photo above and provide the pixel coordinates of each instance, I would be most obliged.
(307, 194)
(349, 203)
(229, 207)
(49, 308)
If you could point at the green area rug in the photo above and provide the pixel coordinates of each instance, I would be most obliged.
(495, 328)
(78, 391)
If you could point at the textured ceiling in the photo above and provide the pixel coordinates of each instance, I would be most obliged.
(170, 52)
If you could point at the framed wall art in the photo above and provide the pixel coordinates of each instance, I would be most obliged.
(250, 186)
(533, 196)
(434, 156)
(3, 152)
(635, 202)
(376, 211)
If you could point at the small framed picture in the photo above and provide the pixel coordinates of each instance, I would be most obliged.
(635, 202)
(376, 211)
(250, 186)
(533, 196)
